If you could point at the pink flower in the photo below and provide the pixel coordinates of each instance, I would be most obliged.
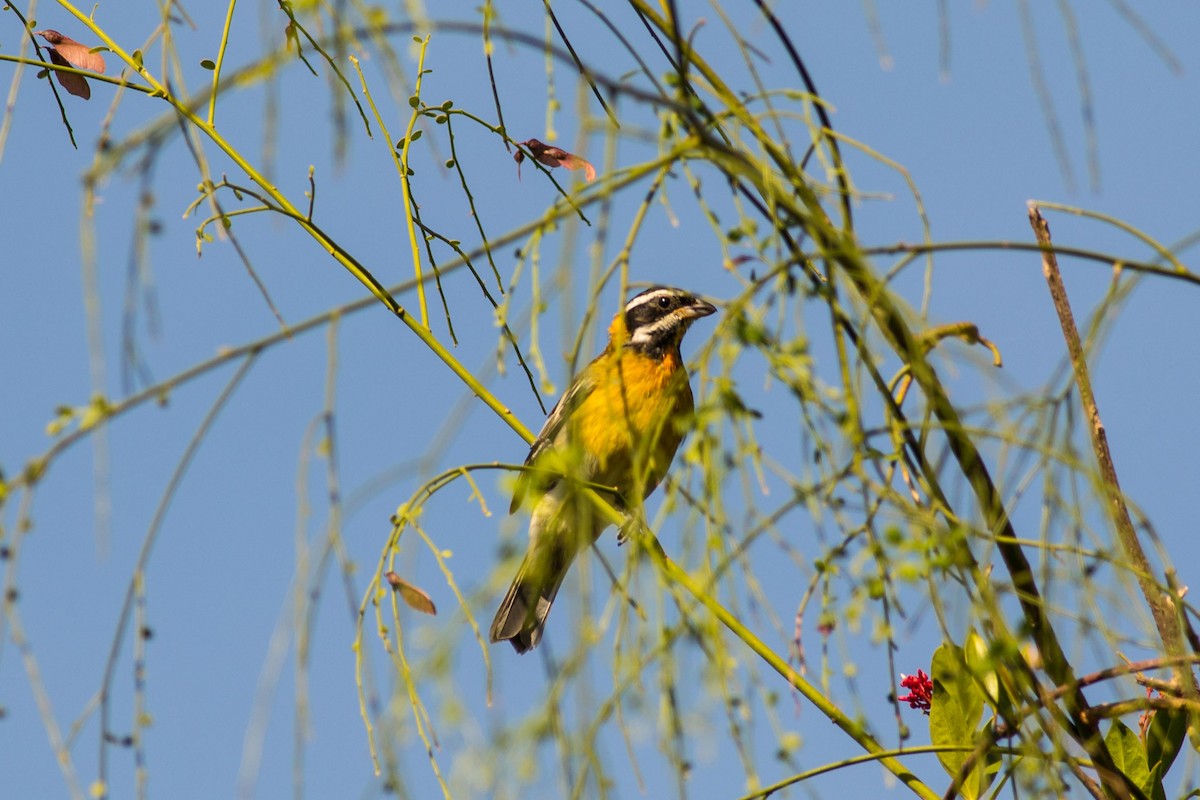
(920, 691)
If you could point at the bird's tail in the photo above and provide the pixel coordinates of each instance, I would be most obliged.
(523, 611)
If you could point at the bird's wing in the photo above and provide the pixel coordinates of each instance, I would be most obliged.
(579, 390)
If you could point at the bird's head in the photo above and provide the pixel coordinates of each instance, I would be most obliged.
(656, 319)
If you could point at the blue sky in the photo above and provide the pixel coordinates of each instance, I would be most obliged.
(220, 671)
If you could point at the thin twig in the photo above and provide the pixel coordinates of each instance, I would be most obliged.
(156, 526)
(1162, 605)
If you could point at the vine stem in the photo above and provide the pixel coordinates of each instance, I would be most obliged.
(406, 188)
(220, 62)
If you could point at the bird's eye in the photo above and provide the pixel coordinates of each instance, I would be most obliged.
(664, 302)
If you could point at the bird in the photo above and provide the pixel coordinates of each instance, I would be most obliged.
(615, 429)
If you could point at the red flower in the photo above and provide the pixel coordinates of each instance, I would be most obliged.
(920, 691)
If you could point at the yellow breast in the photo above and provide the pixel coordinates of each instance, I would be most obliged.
(631, 422)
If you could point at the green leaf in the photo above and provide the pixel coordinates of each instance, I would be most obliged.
(1165, 737)
(975, 650)
(1156, 791)
(982, 659)
(1127, 753)
(955, 717)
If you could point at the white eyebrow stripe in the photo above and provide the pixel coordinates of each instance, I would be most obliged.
(645, 334)
(650, 297)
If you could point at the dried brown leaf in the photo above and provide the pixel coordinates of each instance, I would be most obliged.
(77, 54)
(417, 599)
(553, 157)
(75, 84)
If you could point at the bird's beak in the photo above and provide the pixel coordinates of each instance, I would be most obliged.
(697, 308)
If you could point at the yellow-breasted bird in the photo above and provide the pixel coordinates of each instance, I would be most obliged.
(617, 426)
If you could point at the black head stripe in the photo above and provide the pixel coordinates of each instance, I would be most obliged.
(653, 295)
(653, 305)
